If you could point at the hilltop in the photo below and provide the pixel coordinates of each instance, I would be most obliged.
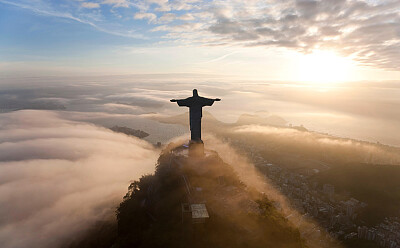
(158, 209)
(194, 202)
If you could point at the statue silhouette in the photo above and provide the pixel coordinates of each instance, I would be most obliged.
(195, 104)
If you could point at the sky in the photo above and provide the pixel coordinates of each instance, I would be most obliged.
(295, 40)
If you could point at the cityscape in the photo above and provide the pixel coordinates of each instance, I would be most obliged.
(339, 217)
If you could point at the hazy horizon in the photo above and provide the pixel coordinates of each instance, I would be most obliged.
(360, 110)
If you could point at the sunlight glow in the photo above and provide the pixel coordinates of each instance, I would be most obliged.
(324, 67)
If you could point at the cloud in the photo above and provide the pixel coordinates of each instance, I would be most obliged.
(163, 8)
(169, 17)
(58, 176)
(366, 31)
(178, 29)
(186, 17)
(141, 98)
(147, 16)
(219, 58)
(117, 3)
(90, 5)
(180, 5)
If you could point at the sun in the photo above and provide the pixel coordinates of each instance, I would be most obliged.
(324, 67)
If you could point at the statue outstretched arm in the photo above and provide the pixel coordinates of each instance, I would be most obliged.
(208, 101)
(182, 102)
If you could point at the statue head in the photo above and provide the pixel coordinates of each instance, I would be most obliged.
(195, 93)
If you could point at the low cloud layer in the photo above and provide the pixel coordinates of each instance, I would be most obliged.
(366, 111)
(57, 177)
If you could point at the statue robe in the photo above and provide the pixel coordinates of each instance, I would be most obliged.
(195, 104)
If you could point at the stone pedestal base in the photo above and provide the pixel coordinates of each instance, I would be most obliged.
(196, 149)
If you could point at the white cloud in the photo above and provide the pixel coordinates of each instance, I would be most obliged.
(365, 31)
(181, 28)
(147, 16)
(168, 17)
(159, 2)
(163, 8)
(90, 5)
(117, 3)
(186, 17)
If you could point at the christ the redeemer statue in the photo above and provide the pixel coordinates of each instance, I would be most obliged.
(195, 104)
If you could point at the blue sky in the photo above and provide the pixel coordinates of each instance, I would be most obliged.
(36, 33)
(247, 38)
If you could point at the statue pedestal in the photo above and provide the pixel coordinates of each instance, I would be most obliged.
(196, 148)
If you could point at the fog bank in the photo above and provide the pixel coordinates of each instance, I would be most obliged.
(57, 176)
